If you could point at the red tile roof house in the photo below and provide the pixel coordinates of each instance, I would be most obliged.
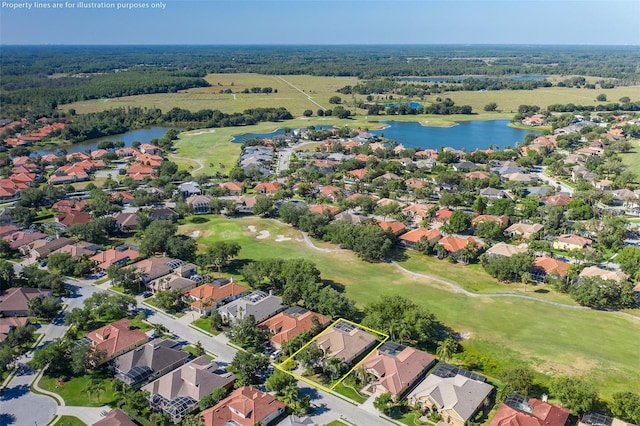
(114, 256)
(115, 417)
(358, 173)
(324, 209)
(395, 227)
(518, 411)
(115, 339)
(290, 323)
(146, 148)
(234, 188)
(331, 191)
(8, 324)
(73, 218)
(268, 188)
(245, 406)
(210, 296)
(418, 212)
(13, 301)
(411, 238)
(70, 205)
(503, 220)
(546, 265)
(397, 367)
(455, 246)
(571, 241)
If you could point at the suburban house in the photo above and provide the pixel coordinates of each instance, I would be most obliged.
(523, 230)
(14, 300)
(345, 340)
(397, 367)
(493, 193)
(180, 390)
(506, 250)
(503, 220)
(245, 406)
(115, 339)
(163, 213)
(571, 242)
(79, 249)
(245, 204)
(21, 239)
(149, 361)
(115, 417)
(183, 277)
(596, 419)
(594, 271)
(456, 245)
(73, 218)
(201, 204)
(455, 394)
(395, 227)
(115, 256)
(127, 222)
(234, 188)
(8, 324)
(290, 323)
(411, 238)
(41, 249)
(268, 188)
(520, 410)
(324, 209)
(546, 265)
(155, 267)
(258, 304)
(188, 189)
(210, 296)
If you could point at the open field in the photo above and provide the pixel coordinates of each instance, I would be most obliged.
(505, 331)
(73, 392)
(632, 159)
(294, 92)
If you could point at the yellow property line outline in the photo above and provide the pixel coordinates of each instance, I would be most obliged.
(341, 379)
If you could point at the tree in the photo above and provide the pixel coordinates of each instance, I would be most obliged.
(279, 382)
(574, 393)
(264, 206)
(384, 403)
(491, 106)
(247, 367)
(626, 406)
(198, 349)
(127, 278)
(7, 275)
(489, 230)
(219, 254)
(213, 398)
(307, 113)
(601, 97)
(181, 247)
(335, 100)
(170, 300)
(446, 348)
(44, 307)
(603, 294)
(310, 357)
(458, 222)
(246, 333)
(156, 236)
(629, 260)
(517, 379)
(216, 320)
(509, 268)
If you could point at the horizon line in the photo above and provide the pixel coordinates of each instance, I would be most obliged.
(317, 44)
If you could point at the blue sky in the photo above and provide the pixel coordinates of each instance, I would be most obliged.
(609, 22)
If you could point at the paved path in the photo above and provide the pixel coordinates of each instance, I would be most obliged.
(198, 162)
(89, 415)
(458, 289)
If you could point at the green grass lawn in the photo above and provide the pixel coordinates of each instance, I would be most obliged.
(69, 421)
(632, 159)
(507, 331)
(350, 393)
(204, 323)
(140, 324)
(73, 391)
(192, 350)
(411, 419)
(336, 423)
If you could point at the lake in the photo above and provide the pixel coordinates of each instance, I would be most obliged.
(140, 135)
(242, 137)
(468, 135)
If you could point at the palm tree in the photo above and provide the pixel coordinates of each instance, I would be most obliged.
(447, 348)
(159, 329)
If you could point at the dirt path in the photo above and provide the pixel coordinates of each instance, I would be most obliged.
(301, 91)
(458, 289)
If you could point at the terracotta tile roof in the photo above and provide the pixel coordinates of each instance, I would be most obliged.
(115, 337)
(358, 173)
(290, 323)
(330, 190)
(551, 265)
(558, 200)
(413, 236)
(395, 227)
(502, 220)
(454, 244)
(324, 208)
(415, 183)
(115, 417)
(245, 406)
(232, 186)
(268, 187)
(73, 218)
(70, 205)
(574, 240)
(210, 293)
(113, 256)
(397, 369)
(541, 414)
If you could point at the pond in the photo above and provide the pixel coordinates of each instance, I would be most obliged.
(140, 135)
(467, 135)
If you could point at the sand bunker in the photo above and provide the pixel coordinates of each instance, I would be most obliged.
(201, 132)
(262, 235)
(251, 228)
(280, 238)
(195, 234)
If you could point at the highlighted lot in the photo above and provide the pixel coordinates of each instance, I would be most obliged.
(354, 341)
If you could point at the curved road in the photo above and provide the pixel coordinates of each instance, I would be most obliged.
(458, 289)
